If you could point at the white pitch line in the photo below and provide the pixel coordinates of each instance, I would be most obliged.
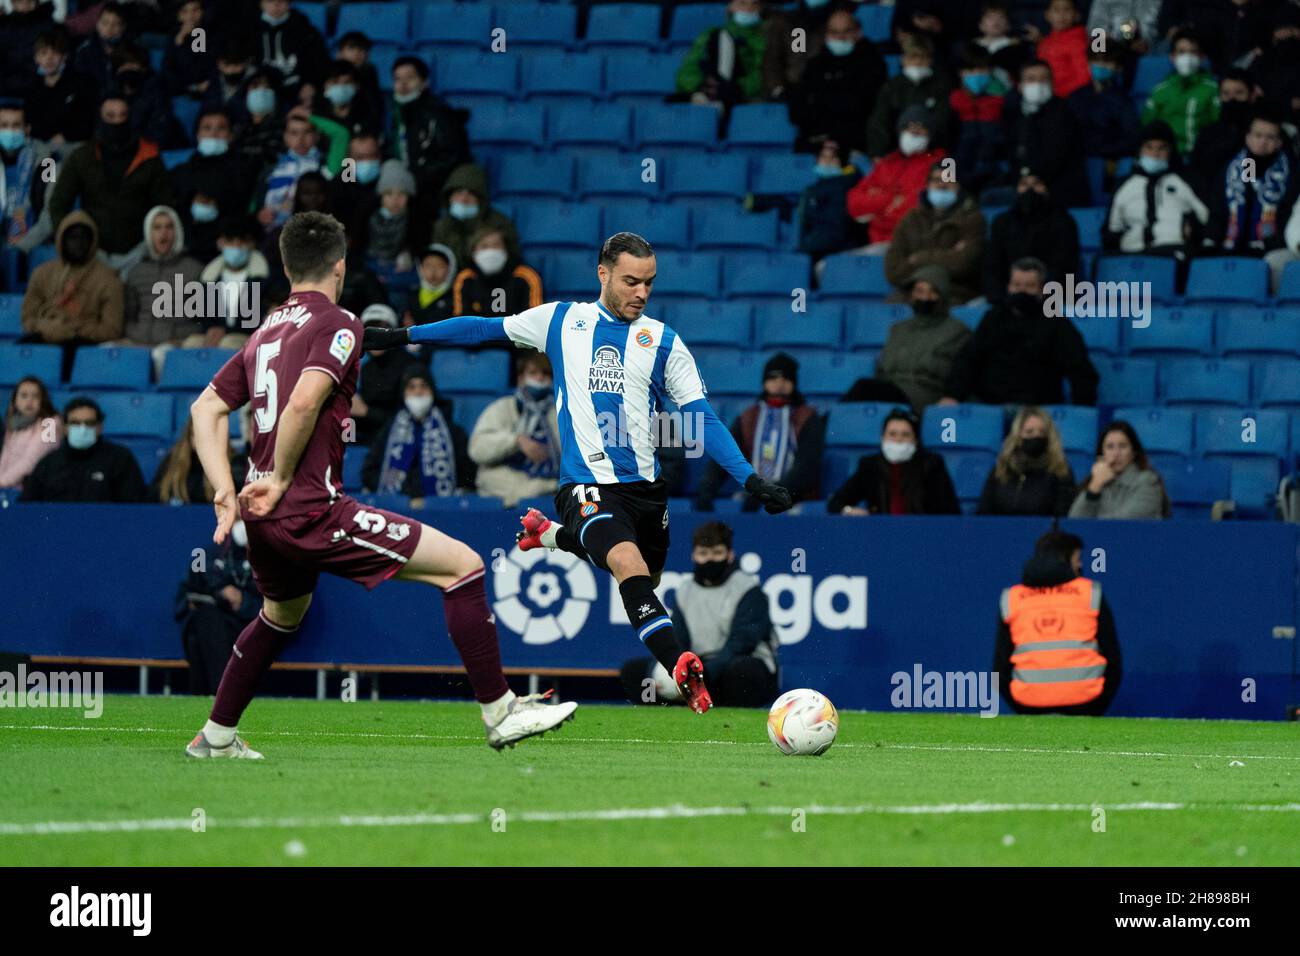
(943, 748)
(673, 812)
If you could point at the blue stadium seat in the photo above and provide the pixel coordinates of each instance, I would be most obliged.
(616, 26)
(11, 315)
(765, 125)
(714, 323)
(838, 465)
(640, 77)
(516, 123)
(1195, 484)
(706, 174)
(17, 361)
(190, 370)
(466, 409)
(383, 58)
(477, 372)
(550, 24)
(969, 470)
(382, 22)
(1157, 270)
(685, 274)
(875, 20)
(137, 414)
(1289, 291)
(315, 14)
(739, 374)
(1227, 279)
(550, 73)
(580, 123)
(1163, 432)
(1126, 381)
(478, 73)
(465, 24)
(41, 255)
(172, 158)
(569, 276)
(1172, 331)
(149, 454)
(735, 229)
(776, 326)
(560, 224)
(970, 316)
(111, 367)
(968, 425)
(535, 174)
(1277, 384)
(1206, 381)
(1100, 333)
(828, 375)
(676, 124)
(1151, 70)
(1077, 425)
(856, 424)
(856, 277)
(186, 110)
(782, 175)
(1224, 433)
(1249, 331)
(689, 20)
(353, 458)
(867, 326)
(619, 175)
(1089, 221)
(664, 226)
(758, 276)
(1254, 487)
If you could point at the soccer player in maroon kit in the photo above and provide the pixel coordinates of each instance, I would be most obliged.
(299, 370)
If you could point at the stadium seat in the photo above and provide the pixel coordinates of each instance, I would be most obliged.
(1242, 432)
(1171, 332)
(1156, 270)
(757, 276)
(781, 175)
(353, 459)
(535, 174)
(1277, 384)
(552, 73)
(689, 20)
(11, 315)
(970, 316)
(735, 229)
(867, 326)
(1206, 382)
(382, 22)
(777, 326)
(1100, 333)
(186, 370)
(1254, 487)
(149, 453)
(42, 361)
(850, 276)
(560, 224)
(1164, 432)
(875, 20)
(516, 123)
(838, 465)
(664, 226)
(1289, 291)
(171, 158)
(478, 73)
(640, 77)
(467, 25)
(969, 470)
(1227, 279)
(616, 26)
(856, 424)
(828, 375)
(1077, 425)
(477, 372)
(968, 425)
(676, 124)
(1249, 331)
(738, 374)
(383, 58)
(1089, 221)
(765, 125)
(587, 123)
(1126, 381)
(623, 175)
(569, 276)
(705, 174)
(686, 274)
(531, 24)
(138, 415)
(111, 367)
(315, 14)
(1151, 70)
(1195, 485)
(714, 323)
(466, 409)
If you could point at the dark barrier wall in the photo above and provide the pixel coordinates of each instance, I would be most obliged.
(1200, 607)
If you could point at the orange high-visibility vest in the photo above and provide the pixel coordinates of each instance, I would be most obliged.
(1054, 656)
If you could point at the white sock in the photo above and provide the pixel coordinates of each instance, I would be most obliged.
(217, 735)
(495, 711)
(548, 536)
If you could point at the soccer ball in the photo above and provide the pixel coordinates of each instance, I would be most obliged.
(802, 723)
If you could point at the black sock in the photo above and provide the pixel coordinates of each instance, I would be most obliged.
(653, 626)
(566, 540)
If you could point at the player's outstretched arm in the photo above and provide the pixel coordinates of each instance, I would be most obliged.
(211, 417)
(461, 330)
(722, 448)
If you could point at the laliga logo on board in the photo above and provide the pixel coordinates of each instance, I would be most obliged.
(530, 589)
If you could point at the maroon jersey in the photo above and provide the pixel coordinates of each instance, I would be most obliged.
(307, 332)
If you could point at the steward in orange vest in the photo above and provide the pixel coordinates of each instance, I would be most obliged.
(1057, 651)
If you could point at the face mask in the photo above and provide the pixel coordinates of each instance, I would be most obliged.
(976, 83)
(490, 261)
(404, 98)
(81, 437)
(746, 18)
(462, 210)
(711, 573)
(1101, 73)
(76, 245)
(825, 172)
(925, 306)
(840, 47)
(114, 136)
(418, 405)
(536, 390)
(18, 422)
(1032, 203)
(236, 256)
(1025, 304)
(1033, 447)
(341, 95)
(12, 140)
(941, 198)
(1152, 166)
(1185, 64)
(260, 100)
(386, 213)
(212, 146)
(918, 73)
(203, 212)
(909, 144)
(239, 534)
(897, 452)
(274, 21)
(1036, 94)
(815, 4)
(54, 72)
(367, 171)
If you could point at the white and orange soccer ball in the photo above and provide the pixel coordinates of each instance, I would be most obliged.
(802, 723)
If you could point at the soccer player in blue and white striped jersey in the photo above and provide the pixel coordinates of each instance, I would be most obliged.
(614, 368)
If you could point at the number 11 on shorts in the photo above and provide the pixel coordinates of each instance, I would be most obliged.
(587, 499)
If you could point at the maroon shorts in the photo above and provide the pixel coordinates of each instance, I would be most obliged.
(349, 539)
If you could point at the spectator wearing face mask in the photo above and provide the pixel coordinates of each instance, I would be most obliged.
(390, 233)
(215, 183)
(1031, 475)
(919, 352)
(944, 229)
(150, 107)
(425, 133)
(352, 193)
(516, 440)
(74, 299)
(894, 185)
(1019, 354)
(721, 613)
(822, 214)
(430, 301)
(781, 435)
(240, 272)
(494, 283)
(901, 479)
(303, 153)
(20, 24)
(93, 58)
(259, 128)
(379, 395)
(1189, 99)
(228, 82)
(1122, 483)
(1276, 63)
(1221, 140)
(724, 65)
(977, 119)
(1107, 121)
(1006, 51)
(212, 606)
(31, 430)
(354, 47)
(22, 187)
(165, 262)
(187, 71)
(421, 452)
(833, 96)
(1065, 48)
(465, 209)
(86, 467)
(918, 87)
(944, 23)
(1040, 131)
(1036, 225)
(783, 67)
(289, 44)
(338, 101)
(61, 103)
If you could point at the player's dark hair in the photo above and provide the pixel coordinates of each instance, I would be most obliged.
(421, 68)
(620, 243)
(81, 401)
(310, 244)
(711, 534)
(1058, 544)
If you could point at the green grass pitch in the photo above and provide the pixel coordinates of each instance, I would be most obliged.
(405, 783)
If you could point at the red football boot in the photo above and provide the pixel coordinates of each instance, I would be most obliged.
(535, 523)
(688, 674)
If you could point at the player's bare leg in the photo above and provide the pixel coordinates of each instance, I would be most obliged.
(453, 566)
(250, 659)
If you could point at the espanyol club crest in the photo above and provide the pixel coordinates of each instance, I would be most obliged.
(589, 509)
(645, 339)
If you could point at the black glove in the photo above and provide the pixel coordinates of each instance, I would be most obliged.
(374, 338)
(772, 496)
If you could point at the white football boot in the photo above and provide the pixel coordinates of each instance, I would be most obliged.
(237, 749)
(529, 717)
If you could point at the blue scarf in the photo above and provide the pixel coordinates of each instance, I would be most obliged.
(1269, 192)
(432, 438)
(16, 196)
(535, 422)
(774, 442)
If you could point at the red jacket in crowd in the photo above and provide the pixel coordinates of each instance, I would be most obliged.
(890, 190)
(1066, 52)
